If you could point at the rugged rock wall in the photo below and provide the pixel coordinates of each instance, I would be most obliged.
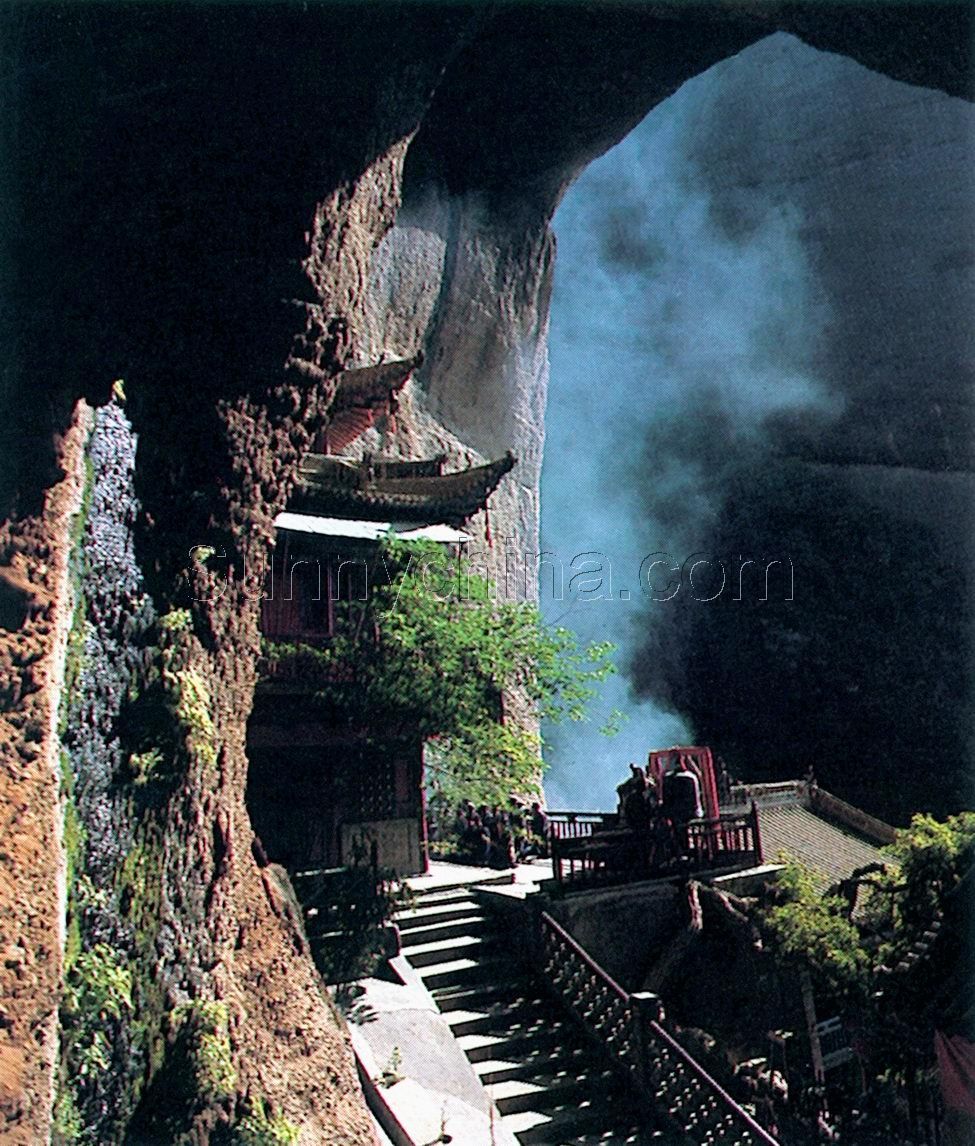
(37, 612)
(193, 198)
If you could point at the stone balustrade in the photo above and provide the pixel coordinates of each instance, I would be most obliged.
(674, 1086)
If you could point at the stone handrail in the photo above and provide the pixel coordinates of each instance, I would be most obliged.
(666, 1077)
(593, 996)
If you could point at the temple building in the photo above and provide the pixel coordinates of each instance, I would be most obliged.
(321, 789)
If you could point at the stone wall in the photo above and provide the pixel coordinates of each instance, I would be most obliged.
(624, 929)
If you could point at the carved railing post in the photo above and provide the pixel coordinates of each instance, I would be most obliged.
(647, 1009)
(756, 834)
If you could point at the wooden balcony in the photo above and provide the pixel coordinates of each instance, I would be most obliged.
(590, 849)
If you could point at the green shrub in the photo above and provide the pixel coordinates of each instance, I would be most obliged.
(99, 988)
(176, 621)
(353, 908)
(193, 711)
(146, 767)
(66, 1125)
(812, 929)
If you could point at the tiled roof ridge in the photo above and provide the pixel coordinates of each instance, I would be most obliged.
(366, 386)
(808, 794)
(832, 851)
(831, 807)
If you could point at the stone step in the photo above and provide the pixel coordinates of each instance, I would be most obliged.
(542, 1091)
(512, 1044)
(434, 913)
(538, 1060)
(490, 879)
(444, 950)
(618, 1136)
(479, 995)
(441, 897)
(566, 1123)
(463, 972)
(528, 1024)
(435, 932)
(497, 1017)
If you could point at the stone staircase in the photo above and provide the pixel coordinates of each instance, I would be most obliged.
(546, 1080)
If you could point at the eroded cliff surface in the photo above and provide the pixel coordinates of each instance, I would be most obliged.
(195, 198)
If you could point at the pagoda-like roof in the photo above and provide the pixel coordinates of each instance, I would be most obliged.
(803, 822)
(363, 394)
(367, 386)
(405, 467)
(390, 489)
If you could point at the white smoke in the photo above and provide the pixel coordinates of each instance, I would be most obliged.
(659, 313)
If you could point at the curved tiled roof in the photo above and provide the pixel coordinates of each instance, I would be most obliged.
(368, 386)
(831, 850)
(338, 487)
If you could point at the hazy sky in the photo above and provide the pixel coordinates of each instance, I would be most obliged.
(775, 263)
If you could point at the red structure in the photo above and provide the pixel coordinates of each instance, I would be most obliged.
(700, 762)
(599, 848)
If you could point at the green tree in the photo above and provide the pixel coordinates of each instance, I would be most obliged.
(932, 857)
(434, 650)
(927, 863)
(900, 965)
(812, 931)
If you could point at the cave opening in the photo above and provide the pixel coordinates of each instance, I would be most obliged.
(164, 174)
(321, 795)
(760, 359)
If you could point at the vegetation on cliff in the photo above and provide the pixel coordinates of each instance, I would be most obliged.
(434, 650)
(892, 953)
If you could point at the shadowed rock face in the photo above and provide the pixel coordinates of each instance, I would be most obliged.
(194, 194)
(166, 162)
(867, 675)
(535, 94)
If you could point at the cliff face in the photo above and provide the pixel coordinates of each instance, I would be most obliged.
(196, 197)
(864, 480)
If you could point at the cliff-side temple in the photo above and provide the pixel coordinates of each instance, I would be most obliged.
(622, 992)
(359, 786)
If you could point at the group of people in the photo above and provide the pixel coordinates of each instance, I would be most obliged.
(499, 837)
(661, 816)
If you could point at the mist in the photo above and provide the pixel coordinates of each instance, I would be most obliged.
(758, 329)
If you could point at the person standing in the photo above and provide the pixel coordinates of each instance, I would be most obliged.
(681, 801)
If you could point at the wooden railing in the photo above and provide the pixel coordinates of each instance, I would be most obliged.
(572, 825)
(672, 1084)
(731, 839)
(587, 852)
